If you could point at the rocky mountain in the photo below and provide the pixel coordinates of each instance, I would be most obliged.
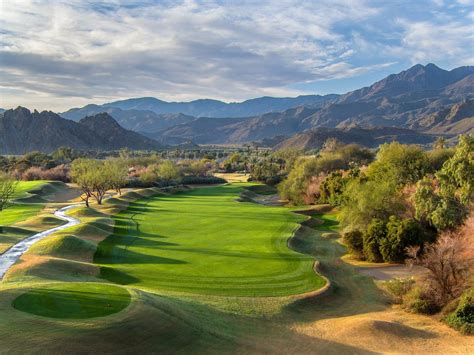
(401, 100)
(145, 107)
(208, 130)
(23, 131)
(136, 120)
(457, 119)
(368, 137)
(420, 98)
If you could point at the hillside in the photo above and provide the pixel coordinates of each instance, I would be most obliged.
(368, 137)
(401, 100)
(23, 131)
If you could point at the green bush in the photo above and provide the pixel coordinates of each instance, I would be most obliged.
(421, 301)
(354, 242)
(332, 187)
(376, 231)
(462, 318)
(400, 235)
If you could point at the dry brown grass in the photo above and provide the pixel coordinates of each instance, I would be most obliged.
(233, 177)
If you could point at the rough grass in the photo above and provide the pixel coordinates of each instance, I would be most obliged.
(73, 300)
(203, 241)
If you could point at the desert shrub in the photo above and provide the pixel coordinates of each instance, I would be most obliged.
(462, 318)
(148, 178)
(354, 241)
(58, 173)
(312, 193)
(399, 287)
(449, 262)
(167, 170)
(419, 300)
(374, 234)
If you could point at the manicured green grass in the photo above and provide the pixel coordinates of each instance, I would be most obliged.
(23, 187)
(73, 300)
(19, 212)
(204, 241)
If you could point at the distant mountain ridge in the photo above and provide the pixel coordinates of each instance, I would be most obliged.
(22, 131)
(425, 99)
(200, 108)
(402, 100)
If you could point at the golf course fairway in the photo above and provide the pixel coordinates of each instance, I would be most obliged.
(204, 241)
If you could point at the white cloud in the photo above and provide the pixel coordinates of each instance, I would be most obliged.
(61, 53)
(427, 41)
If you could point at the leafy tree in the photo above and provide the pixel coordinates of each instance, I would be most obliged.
(376, 231)
(64, 154)
(354, 241)
(7, 189)
(448, 206)
(437, 158)
(364, 200)
(449, 214)
(400, 235)
(402, 164)
(425, 200)
(332, 187)
(168, 171)
(457, 173)
(83, 173)
(115, 171)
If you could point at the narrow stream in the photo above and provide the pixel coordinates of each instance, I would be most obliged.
(12, 255)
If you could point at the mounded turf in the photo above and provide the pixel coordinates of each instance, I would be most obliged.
(24, 187)
(73, 300)
(22, 211)
(204, 241)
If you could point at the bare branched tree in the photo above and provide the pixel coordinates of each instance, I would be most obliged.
(7, 189)
(449, 261)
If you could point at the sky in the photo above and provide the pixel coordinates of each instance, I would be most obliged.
(59, 54)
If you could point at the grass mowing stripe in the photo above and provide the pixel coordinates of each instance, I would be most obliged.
(204, 241)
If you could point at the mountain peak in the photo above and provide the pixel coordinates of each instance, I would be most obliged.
(100, 120)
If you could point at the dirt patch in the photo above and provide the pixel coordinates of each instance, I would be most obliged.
(390, 272)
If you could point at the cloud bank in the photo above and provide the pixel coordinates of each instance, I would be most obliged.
(57, 54)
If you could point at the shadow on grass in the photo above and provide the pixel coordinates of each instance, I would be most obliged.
(351, 292)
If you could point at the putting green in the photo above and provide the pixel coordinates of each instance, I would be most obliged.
(73, 300)
(204, 241)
